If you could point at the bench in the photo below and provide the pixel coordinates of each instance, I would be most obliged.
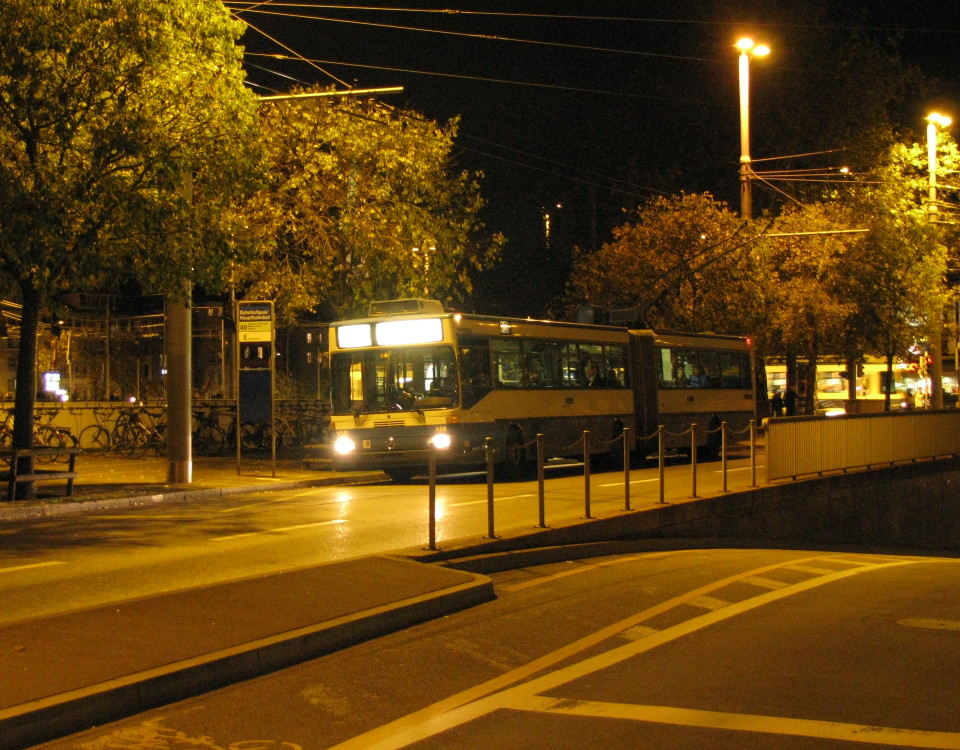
(14, 455)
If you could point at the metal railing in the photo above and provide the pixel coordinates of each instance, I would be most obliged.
(661, 435)
(798, 446)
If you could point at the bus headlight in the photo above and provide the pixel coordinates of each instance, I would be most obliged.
(344, 445)
(440, 441)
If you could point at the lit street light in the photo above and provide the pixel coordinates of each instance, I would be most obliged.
(747, 50)
(935, 120)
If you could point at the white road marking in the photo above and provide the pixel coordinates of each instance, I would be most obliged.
(687, 717)
(811, 569)
(710, 603)
(278, 530)
(632, 482)
(765, 583)
(484, 501)
(31, 566)
(929, 623)
(508, 691)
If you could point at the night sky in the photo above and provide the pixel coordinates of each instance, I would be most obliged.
(598, 105)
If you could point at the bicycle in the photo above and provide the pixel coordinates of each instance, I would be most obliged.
(252, 436)
(134, 435)
(96, 439)
(47, 434)
(208, 436)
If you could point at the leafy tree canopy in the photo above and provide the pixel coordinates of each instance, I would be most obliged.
(362, 202)
(123, 137)
(104, 108)
(682, 261)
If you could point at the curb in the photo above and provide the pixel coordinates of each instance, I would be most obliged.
(67, 713)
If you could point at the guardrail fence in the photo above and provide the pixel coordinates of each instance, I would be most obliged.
(585, 439)
(798, 446)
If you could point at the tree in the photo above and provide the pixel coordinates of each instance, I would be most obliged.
(808, 265)
(683, 261)
(362, 203)
(905, 257)
(123, 135)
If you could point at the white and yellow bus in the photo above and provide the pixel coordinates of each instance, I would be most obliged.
(872, 383)
(412, 376)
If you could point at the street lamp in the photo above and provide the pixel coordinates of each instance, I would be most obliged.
(747, 49)
(935, 120)
(427, 250)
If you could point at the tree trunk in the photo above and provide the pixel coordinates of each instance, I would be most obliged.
(890, 386)
(810, 386)
(26, 392)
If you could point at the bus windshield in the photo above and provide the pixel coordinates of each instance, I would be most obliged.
(403, 378)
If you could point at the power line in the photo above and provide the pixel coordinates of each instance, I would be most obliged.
(485, 37)
(250, 6)
(609, 183)
(483, 79)
(297, 55)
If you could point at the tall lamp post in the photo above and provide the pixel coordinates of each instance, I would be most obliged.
(747, 49)
(935, 120)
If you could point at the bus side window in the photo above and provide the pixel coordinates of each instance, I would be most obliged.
(616, 366)
(591, 354)
(709, 367)
(539, 370)
(507, 366)
(569, 366)
(677, 368)
(475, 372)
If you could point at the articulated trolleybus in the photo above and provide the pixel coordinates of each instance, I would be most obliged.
(411, 378)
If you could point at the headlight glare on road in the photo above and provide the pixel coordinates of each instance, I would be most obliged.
(344, 445)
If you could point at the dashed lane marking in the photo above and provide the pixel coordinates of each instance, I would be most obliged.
(31, 566)
(278, 530)
(765, 583)
(811, 569)
(928, 623)
(709, 603)
(484, 501)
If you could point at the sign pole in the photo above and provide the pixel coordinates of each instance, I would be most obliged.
(255, 371)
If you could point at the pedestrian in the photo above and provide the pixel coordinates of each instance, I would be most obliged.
(776, 403)
(790, 401)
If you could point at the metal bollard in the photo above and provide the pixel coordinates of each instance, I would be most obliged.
(723, 453)
(753, 453)
(586, 474)
(661, 460)
(626, 467)
(540, 483)
(693, 459)
(488, 448)
(432, 498)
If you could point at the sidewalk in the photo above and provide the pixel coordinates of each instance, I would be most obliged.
(65, 673)
(112, 482)
(70, 672)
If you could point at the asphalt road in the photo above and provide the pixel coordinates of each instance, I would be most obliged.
(57, 564)
(683, 649)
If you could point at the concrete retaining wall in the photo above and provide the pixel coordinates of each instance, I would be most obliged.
(912, 506)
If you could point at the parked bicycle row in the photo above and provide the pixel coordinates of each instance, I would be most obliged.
(134, 430)
(45, 435)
